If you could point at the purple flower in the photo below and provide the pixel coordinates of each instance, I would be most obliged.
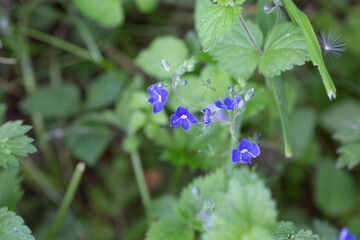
(182, 117)
(245, 152)
(239, 102)
(345, 235)
(227, 103)
(158, 97)
(206, 120)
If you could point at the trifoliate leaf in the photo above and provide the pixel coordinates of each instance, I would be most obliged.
(349, 136)
(247, 211)
(227, 2)
(104, 90)
(12, 226)
(14, 142)
(170, 48)
(216, 22)
(108, 13)
(235, 52)
(334, 195)
(52, 101)
(285, 49)
(10, 187)
(87, 142)
(170, 228)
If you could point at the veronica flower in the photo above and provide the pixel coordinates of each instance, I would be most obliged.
(158, 97)
(245, 152)
(345, 235)
(182, 117)
(226, 104)
(206, 120)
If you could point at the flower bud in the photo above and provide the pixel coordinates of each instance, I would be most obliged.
(165, 65)
(249, 94)
(183, 83)
(160, 85)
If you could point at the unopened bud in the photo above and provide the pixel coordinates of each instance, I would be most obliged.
(183, 83)
(160, 85)
(249, 94)
(230, 89)
(195, 190)
(165, 65)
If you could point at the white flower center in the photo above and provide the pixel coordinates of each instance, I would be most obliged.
(243, 151)
(159, 98)
(183, 116)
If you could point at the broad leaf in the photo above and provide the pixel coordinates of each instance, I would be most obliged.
(14, 142)
(108, 13)
(104, 90)
(247, 211)
(146, 6)
(325, 230)
(170, 48)
(287, 230)
(229, 2)
(12, 226)
(52, 101)
(334, 190)
(285, 49)
(10, 187)
(235, 51)
(201, 8)
(216, 22)
(88, 142)
(170, 228)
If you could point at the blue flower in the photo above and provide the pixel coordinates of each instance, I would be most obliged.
(239, 102)
(226, 104)
(245, 152)
(345, 235)
(182, 117)
(158, 97)
(206, 120)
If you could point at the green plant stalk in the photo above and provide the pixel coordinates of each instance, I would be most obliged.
(140, 180)
(65, 204)
(277, 85)
(174, 182)
(243, 23)
(235, 130)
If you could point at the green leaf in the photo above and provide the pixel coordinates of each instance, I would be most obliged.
(170, 229)
(170, 48)
(246, 212)
(312, 44)
(229, 2)
(277, 85)
(10, 187)
(14, 142)
(306, 235)
(3, 109)
(287, 230)
(302, 125)
(52, 101)
(334, 190)
(108, 13)
(104, 90)
(325, 230)
(285, 49)
(146, 6)
(235, 52)
(162, 207)
(88, 142)
(350, 155)
(217, 21)
(201, 8)
(12, 226)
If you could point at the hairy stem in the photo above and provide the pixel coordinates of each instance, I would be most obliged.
(276, 24)
(242, 21)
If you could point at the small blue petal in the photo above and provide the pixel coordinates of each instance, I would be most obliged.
(205, 126)
(236, 156)
(229, 104)
(245, 157)
(184, 117)
(254, 150)
(185, 124)
(219, 104)
(244, 144)
(345, 235)
(158, 107)
(174, 120)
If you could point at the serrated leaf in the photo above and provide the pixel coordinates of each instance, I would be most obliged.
(108, 13)
(306, 235)
(52, 101)
(217, 21)
(88, 142)
(170, 48)
(333, 195)
(350, 155)
(312, 43)
(170, 229)
(235, 52)
(104, 90)
(10, 187)
(247, 211)
(14, 142)
(12, 226)
(201, 8)
(287, 230)
(286, 48)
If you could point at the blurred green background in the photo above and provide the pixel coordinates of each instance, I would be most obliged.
(78, 72)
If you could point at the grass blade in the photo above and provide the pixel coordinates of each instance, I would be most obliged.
(313, 46)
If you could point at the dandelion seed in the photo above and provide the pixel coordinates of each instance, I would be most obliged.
(331, 44)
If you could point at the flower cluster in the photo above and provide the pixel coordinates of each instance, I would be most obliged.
(225, 111)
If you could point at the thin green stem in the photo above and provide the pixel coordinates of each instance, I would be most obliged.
(65, 204)
(140, 180)
(252, 39)
(176, 178)
(276, 24)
